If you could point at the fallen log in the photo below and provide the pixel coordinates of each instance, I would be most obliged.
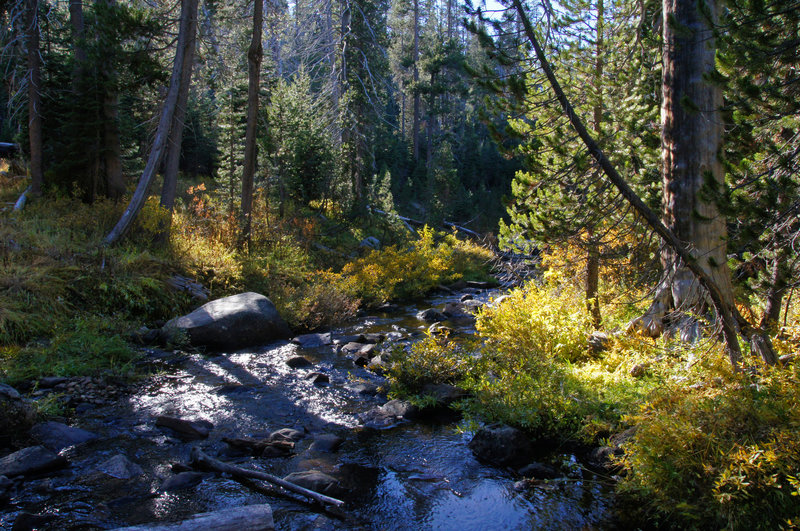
(206, 462)
(247, 518)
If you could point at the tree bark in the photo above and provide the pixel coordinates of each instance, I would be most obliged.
(691, 137)
(254, 55)
(592, 252)
(112, 150)
(34, 97)
(415, 74)
(176, 130)
(729, 316)
(160, 140)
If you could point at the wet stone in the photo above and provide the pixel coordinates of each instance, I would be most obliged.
(184, 480)
(318, 378)
(316, 481)
(313, 340)
(298, 362)
(326, 442)
(30, 522)
(365, 388)
(30, 460)
(431, 315)
(120, 467)
(467, 297)
(353, 347)
(501, 445)
(57, 436)
(287, 434)
(186, 429)
(539, 471)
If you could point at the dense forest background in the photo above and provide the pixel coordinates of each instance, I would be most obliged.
(367, 104)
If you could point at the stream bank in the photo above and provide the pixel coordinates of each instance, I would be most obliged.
(392, 475)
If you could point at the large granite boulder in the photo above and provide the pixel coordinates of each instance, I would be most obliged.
(232, 322)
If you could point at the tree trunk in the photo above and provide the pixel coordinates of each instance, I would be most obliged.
(691, 137)
(160, 140)
(112, 150)
(76, 21)
(415, 73)
(176, 129)
(254, 55)
(34, 97)
(729, 315)
(592, 252)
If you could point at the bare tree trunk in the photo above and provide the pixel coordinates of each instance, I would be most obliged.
(232, 160)
(34, 97)
(160, 140)
(729, 315)
(76, 21)
(415, 124)
(254, 55)
(593, 253)
(112, 150)
(176, 130)
(777, 289)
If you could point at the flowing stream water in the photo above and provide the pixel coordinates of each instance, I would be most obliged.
(413, 476)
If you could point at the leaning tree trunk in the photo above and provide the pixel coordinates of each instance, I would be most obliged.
(728, 314)
(160, 140)
(691, 137)
(254, 55)
(176, 130)
(34, 97)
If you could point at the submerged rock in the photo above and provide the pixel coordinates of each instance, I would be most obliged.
(540, 471)
(316, 481)
(232, 322)
(184, 480)
(500, 445)
(431, 315)
(297, 362)
(326, 442)
(120, 467)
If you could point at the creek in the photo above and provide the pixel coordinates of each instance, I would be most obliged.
(414, 475)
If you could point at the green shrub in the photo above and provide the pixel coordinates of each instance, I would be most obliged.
(718, 450)
(537, 325)
(432, 360)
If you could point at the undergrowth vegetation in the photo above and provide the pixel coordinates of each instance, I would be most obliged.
(66, 300)
(712, 448)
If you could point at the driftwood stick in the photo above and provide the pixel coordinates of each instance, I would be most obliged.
(201, 460)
